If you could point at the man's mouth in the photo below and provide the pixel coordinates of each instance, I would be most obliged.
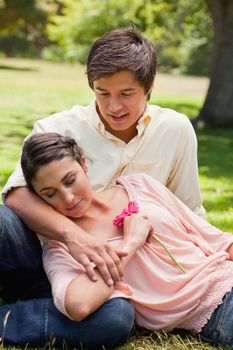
(118, 117)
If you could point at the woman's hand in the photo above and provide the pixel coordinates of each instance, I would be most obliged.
(137, 229)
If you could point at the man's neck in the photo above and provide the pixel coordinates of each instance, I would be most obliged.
(124, 135)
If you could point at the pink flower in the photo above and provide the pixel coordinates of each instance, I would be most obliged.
(133, 208)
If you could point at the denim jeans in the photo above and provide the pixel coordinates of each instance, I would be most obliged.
(219, 329)
(34, 320)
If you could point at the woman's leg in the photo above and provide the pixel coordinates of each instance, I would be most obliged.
(37, 322)
(219, 329)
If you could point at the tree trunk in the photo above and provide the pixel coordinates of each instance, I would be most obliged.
(218, 106)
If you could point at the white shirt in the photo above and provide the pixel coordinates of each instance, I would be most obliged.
(165, 148)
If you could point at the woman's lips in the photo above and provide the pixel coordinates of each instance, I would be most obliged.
(75, 207)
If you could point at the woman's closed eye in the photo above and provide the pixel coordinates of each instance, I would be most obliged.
(49, 194)
(70, 181)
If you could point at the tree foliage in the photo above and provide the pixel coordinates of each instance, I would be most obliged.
(181, 30)
(64, 29)
(23, 25)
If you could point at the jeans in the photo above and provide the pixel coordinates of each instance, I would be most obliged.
(219, 329)
(34, 320)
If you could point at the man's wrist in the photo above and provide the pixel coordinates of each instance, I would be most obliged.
(71, 232)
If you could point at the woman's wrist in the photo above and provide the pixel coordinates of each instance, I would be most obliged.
(129, 246)
(230, 252)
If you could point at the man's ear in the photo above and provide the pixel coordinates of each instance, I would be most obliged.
(84, 164)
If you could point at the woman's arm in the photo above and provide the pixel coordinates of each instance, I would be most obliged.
(83, 297)
(44, 220)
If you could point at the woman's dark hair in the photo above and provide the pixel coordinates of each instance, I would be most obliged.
(123, 49)
(41, 149)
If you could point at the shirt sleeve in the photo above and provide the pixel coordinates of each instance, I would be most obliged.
(184, 178)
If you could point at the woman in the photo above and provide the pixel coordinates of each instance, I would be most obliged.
(166, 294)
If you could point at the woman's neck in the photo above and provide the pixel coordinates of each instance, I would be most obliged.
(104, 207)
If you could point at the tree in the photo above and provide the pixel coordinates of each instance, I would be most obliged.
(217, 109)
(23, 25)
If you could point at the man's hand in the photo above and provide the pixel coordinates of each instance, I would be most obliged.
(89, 254)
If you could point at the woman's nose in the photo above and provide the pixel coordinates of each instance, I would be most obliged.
(68, 197)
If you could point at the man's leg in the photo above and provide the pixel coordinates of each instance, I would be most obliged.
(19, 247)
(21, 271)
(37, 322)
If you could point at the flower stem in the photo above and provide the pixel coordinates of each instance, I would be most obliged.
(169, 253)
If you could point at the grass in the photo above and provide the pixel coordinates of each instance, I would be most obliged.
(31, 90)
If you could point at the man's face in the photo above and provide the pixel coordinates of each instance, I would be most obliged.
(121, 101)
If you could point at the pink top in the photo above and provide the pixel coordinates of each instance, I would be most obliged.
(164, 297)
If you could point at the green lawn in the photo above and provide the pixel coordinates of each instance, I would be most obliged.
(31, 90)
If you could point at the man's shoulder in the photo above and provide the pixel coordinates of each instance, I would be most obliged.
(76, 113)
(166, 114)
(168, 118)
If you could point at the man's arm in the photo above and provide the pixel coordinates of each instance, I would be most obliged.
(44, 220)
(184, 178)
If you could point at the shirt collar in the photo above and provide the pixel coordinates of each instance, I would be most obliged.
(143, 122)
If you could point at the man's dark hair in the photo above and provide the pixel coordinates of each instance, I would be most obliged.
(41, 149)
(123, 49)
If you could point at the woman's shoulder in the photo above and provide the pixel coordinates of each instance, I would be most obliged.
(140, 178)
(140, 181)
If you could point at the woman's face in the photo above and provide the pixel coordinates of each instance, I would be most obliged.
(64, 185)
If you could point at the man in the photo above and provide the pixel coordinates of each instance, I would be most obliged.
(120, 133)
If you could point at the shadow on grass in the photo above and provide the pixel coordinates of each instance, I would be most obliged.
(22, 69)
(216, 153)
(178, 339)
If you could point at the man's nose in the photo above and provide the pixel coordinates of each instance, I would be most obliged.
(114, 105)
